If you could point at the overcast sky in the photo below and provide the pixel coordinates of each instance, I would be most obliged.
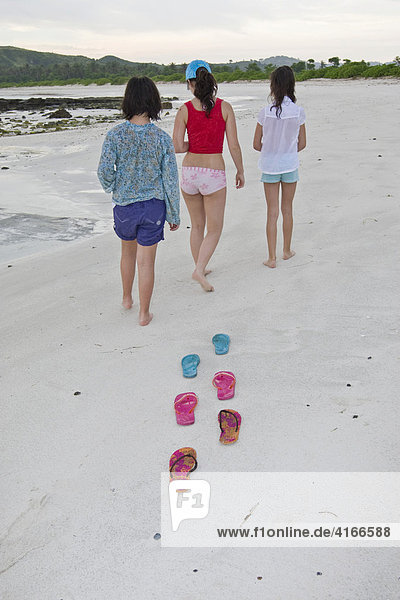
(180, 30)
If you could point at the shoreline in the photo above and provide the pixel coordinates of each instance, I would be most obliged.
(178, 82)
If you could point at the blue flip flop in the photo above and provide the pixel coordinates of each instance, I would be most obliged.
(221, 342)
(190, 364)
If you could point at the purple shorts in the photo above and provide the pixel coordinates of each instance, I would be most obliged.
(141, 221)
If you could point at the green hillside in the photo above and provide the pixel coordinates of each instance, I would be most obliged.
(28, 67)
(19, 57)
(20, 67)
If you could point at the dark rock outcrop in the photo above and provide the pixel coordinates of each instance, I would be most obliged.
(61, 113)
(70, 103)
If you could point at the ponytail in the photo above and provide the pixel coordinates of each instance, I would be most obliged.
(205, 89)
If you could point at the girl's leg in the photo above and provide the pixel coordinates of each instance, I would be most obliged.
(288, 191)
(271, 191)
(127, 265)
(214, 206)
(195, 206)
(146, 256)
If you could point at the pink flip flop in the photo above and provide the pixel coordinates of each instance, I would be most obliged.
(225, 382)
(184, 408)
(229, 423)
(182, 463)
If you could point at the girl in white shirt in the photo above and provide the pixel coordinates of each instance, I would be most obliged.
(280, 134)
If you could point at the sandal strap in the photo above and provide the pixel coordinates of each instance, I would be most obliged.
(180, 458)
(185, 400)
(228, 373)
(229, 412)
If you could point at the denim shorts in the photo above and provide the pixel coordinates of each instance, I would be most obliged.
(290, 177)
(141, 221)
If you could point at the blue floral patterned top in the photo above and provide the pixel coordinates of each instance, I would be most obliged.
(138, 163)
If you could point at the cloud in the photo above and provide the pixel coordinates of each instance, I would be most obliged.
(176, 31)
(208, 16)
(134, 17)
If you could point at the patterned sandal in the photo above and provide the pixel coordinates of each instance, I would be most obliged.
(182, 462)
(229, 423)
(225, 382)
(184, 408)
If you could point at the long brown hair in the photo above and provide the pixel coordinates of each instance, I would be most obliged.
(282, 84)
(205, 89)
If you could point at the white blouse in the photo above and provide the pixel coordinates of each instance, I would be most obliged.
(280, 137)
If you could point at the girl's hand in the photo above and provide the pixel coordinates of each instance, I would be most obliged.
(173, 226)
(239, 180)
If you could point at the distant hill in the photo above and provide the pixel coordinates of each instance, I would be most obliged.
(279, 61)
(11, 56)
(19, 57)
(20, 67)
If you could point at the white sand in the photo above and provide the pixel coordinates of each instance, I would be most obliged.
(80, 474)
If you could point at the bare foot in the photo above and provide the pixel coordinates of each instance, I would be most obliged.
(127, 302)
(145, 318)
(271, 263)
(201, 279)
(287, 255)
(207, 272)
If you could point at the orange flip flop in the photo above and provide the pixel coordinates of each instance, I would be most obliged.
(229, 423)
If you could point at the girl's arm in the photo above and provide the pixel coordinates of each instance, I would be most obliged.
(179, 130)
(170, 178)
(301, 143)
(257, 141)
(105, 171)
(233, 142)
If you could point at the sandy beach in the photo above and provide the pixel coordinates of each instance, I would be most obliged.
(87, 395)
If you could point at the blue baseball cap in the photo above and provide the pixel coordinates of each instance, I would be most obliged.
(193, 66)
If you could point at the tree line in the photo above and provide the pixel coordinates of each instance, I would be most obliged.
(117, 73)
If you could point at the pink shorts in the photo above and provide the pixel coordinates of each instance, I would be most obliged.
(198, 180)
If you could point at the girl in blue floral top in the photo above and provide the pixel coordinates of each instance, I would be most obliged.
(138, 166)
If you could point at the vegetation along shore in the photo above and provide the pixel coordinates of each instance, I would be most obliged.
(20, 67)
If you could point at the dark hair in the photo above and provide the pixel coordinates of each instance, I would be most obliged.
(282, 84)
(141, 97)
(205, 89)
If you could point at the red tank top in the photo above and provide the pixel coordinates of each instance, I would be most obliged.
(206, 134)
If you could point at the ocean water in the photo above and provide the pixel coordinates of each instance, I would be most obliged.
(230, 91)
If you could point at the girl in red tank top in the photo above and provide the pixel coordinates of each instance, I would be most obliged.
(206, 133)
(206, 119)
